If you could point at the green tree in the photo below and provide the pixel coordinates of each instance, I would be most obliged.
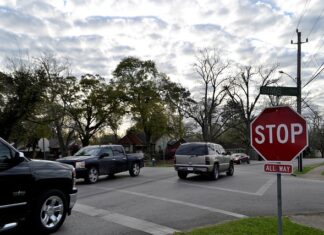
(137, 80)
(93, 105)
(21, 92)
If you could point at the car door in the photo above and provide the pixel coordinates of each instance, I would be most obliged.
(120, 158)
(15, 182)
(107, 162)
(224, 163)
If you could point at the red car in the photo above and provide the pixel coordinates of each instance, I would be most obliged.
(240, 158)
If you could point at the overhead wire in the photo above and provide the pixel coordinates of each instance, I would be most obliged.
(316, 21)
(301, 16)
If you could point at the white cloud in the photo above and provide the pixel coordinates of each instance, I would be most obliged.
(95, 35)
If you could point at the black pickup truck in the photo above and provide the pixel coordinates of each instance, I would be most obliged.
(34, 192)
(94, 160)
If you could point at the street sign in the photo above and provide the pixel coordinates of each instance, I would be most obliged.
(278, 91)
(278, 168)
(279, 134)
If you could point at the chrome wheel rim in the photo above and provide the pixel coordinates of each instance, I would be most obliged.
(93, 175)
(52, 211)
(136, 169)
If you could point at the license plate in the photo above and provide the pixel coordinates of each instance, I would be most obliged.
(190, 169)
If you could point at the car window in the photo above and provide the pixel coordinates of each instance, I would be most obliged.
(5, 152)
(108, 151)
(5, 155)
(211, 149)
(221, 150)
(192, 149)
(88, 151)
(117, 150)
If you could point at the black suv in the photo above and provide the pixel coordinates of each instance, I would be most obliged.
(37, 192)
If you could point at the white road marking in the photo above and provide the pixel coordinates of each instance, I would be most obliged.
(124, 220)
(185, 204)
(211, 209)
(213, 187)
(261, 191)
(265, 187)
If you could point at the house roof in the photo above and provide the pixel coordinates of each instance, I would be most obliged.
(131, 139)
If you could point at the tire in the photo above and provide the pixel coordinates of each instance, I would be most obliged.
(248, 161)
(230, 170)
(182, 174)
(93, 175)
(50, 212)
(215, 172)
(134, 170)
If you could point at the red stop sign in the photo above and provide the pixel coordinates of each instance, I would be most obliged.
(279, 134)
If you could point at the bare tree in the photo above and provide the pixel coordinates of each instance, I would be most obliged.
(316, 133)
(207, 110)
(245, 92)
(56, 73)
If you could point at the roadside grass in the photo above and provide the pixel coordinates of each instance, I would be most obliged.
(255, 226)
(322, 173)
(307, 169)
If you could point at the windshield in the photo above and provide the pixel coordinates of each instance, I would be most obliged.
(192, 149)
(88, 151)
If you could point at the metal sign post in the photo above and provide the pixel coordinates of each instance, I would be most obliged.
(279, 200)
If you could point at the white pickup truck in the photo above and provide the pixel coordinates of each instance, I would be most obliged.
(202, 158)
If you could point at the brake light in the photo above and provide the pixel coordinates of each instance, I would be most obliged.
(207, 160)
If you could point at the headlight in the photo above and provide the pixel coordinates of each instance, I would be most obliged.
(80, 165)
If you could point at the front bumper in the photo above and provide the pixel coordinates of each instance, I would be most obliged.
(73, 199)
(81, 173)
(7, 227)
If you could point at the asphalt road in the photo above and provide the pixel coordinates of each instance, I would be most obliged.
(157, 202)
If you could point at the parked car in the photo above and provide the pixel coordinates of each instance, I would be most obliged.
(38, 192)
(92, 161)
(239, 158)
(202, 158)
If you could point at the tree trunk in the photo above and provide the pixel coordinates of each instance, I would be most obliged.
(60, 138)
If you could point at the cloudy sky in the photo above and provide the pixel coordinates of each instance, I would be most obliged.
(95, 34)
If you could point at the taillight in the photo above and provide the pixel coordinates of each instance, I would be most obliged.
(207, 160)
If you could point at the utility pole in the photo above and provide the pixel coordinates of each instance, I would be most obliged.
(299, 42)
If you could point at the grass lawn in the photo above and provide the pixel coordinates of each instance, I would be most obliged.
(307, 169)
(255, 226)
(322, 173)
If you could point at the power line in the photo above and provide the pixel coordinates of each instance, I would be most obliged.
(317, 20)
(301, 16)
(318, 73)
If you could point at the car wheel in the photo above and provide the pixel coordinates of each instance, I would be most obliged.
(182, 174)
(215, 173)
(50, 212)
(230, 170)
(135, 169)
(93, 175)
(248, 161)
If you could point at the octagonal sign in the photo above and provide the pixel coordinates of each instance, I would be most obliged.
(279, 134)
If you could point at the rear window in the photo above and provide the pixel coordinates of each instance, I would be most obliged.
(192, 149)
